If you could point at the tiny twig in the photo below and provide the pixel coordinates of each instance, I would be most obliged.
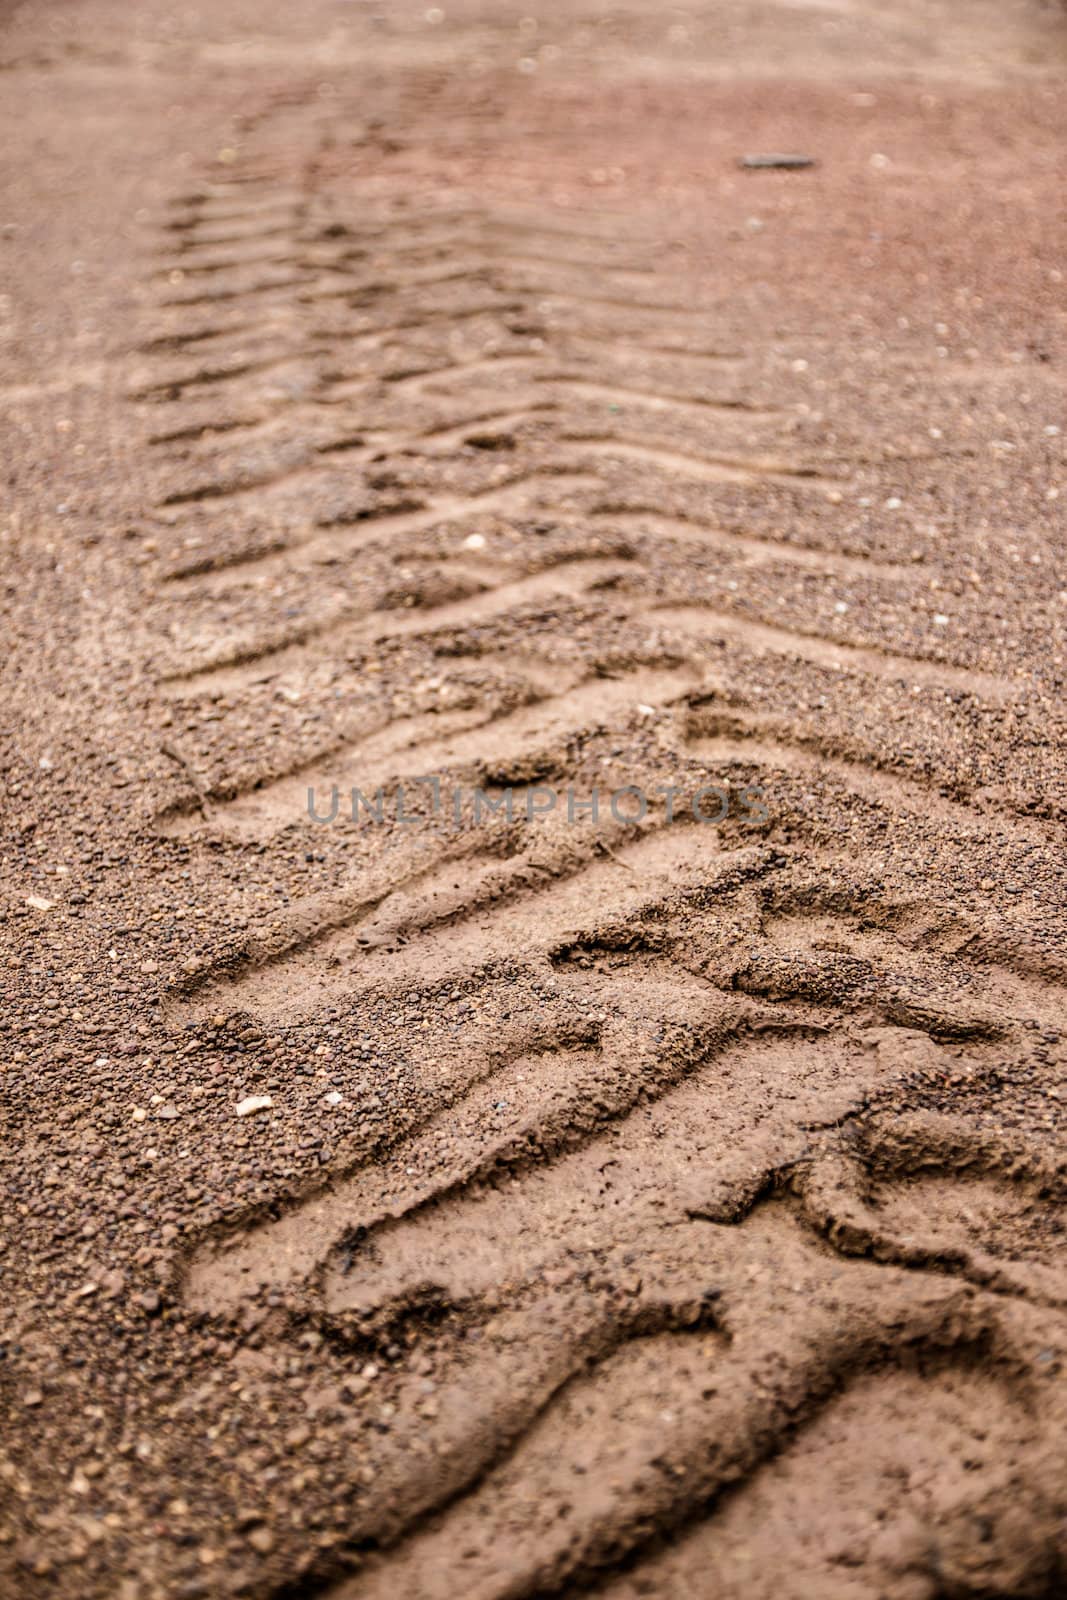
(608, 851)
(179, 760)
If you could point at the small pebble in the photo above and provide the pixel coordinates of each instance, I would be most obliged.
(780, 163)
(253, 1103)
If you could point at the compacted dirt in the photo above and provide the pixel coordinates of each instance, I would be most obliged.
(501, 1192)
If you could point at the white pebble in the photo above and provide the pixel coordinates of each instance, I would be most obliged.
(254, 1102)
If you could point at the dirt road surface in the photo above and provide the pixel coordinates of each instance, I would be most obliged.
(480, 1198)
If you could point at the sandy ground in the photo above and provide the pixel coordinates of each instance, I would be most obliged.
(479, 1197)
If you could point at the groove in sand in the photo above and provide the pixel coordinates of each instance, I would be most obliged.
(514, 495)
(421, 747)
(825, 652)
(238, 664)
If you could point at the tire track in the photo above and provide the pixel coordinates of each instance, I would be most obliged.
(699, 1251)
(683, 1128)
(481, 743)
(239, 663)
(245, 482)
(708, 623)
(727, 740)
(851, 1472)
(468, 914)
(542, 1520)
(530, 1209)
(647, 522)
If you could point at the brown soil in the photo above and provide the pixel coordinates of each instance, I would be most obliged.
(470, 1207)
